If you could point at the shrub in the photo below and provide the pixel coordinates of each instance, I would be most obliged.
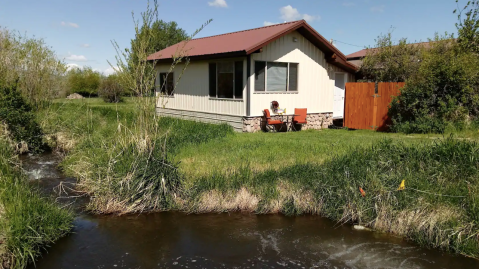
(17, 114)
(445, 89)
(420, 126)
(83, 81)
(111, 89)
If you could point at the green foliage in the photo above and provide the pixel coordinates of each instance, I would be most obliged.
(28, 221)
(444, 89)
(391, 62)
(420, 125)
(110, 89)
(468, 26)
(30, 64)
(21, 122)
(163, 34)
(83, 81)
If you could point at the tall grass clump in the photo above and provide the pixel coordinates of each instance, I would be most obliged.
(28, 221)
(438, 207)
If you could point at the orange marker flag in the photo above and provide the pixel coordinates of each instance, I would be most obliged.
(363, 193)
(402, 186)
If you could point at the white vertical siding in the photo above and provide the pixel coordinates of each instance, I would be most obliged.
(315, 82)
(315, 76)
(192, 91)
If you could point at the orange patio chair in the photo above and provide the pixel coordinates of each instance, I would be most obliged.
(270, 122)
(299, 117)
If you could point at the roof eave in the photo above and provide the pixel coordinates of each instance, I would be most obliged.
(231, 54)
(323, 45)
(263, 43)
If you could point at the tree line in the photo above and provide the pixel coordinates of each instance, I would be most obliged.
(39, 75)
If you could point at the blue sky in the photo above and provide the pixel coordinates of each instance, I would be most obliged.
(80, 31)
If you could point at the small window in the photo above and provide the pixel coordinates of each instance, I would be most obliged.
(293, 77)
(226, 80)
(239, 80)
(212, 79)
(276, 76)
(259, 76)
(167, 84)
(339, 80)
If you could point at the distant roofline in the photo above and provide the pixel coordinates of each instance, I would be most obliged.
(358, 56)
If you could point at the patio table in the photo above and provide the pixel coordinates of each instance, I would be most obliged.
(287, 119)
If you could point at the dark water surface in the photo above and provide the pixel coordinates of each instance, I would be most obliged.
(177, 240)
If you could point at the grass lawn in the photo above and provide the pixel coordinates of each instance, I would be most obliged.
(264, 151)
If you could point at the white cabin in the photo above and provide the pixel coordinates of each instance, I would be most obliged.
(232, 78)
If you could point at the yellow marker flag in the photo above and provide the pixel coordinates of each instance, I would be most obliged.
(402, 186)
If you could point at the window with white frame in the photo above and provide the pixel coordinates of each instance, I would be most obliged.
(275, 77)
(226, 79)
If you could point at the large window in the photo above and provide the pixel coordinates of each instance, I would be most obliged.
(276, 77)
(166, 83)
(226, 80)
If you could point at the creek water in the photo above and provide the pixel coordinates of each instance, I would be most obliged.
(235, 240)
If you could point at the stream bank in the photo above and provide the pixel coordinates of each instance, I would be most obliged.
(178, 240)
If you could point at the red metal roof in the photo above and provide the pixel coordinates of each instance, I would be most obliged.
(249, 41)
(357, 54)
(362, 53)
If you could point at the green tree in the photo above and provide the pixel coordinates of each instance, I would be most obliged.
(84, 81)
(160, 35)
(468, 26)
(391, 62)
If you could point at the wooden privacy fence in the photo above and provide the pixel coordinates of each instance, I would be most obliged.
(366, 107)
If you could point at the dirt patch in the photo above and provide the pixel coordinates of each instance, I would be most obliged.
(75, 96)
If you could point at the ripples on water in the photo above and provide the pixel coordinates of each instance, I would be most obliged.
(176, 240)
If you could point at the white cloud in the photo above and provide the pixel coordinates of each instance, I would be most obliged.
(288, 13)
(110, 70)
(349, 4)
(268, 23)
(85, 45)
(307, 17)
(378, 9)
(76, 58)
(69, 24)
(218, 3)
(73, 66)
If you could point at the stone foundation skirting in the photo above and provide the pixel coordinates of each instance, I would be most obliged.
(316, 121)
